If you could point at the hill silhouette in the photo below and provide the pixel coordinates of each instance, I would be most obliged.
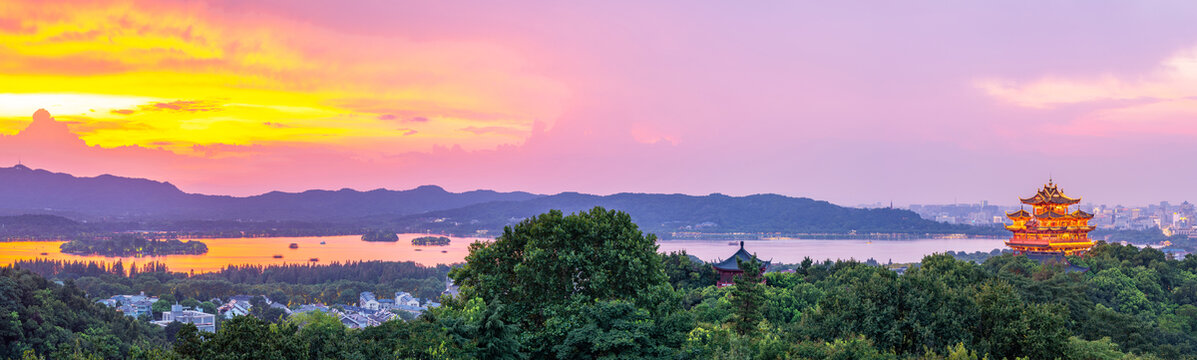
(113, 198)
(108, 203)
(716, 213)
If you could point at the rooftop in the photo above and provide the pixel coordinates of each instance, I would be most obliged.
(730, 264)
(1050, 194)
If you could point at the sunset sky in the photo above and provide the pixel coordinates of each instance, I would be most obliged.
(850, 102)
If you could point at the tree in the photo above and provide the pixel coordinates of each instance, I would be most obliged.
(243, 337)
(172, 329)
(608, 330)
(999, 310)
(686, 271)
(273, 315)
(748, 296)
(59, 321)
(551, 269)
(1101, 349)
(324, 336)
(161, 306)
(553, 259)
(190, 303)
(208, 307)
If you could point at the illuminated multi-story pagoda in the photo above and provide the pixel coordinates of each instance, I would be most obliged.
(1050, 228)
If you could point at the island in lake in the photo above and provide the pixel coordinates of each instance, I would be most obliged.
(431, 240)
(133, 245)
(380, 235)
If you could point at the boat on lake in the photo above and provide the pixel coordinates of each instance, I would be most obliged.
(294, 246)
(419, 249)
(444, 251)
(321, 243)
(313, 259)
(277, 256)
(45, 253)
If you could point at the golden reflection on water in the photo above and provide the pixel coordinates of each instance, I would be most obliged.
(261, 251)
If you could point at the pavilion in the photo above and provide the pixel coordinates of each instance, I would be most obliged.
(728, 269)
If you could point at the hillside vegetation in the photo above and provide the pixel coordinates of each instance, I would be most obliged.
(591, 285)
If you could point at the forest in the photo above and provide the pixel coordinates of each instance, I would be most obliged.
(133, 245)
(380, 235)
(591, 285)
(291, 283)
(431, 240)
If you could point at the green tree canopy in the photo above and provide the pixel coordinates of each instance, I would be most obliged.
(551, 259)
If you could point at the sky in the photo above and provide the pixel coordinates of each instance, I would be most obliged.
(914, 102)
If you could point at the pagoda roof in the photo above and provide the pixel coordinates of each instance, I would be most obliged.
(1081, 215)
(1050, 194)
(1020, 214)
(730, 264)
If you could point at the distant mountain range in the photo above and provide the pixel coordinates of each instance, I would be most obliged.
(107, 202)
(106, 197)
(675, 213)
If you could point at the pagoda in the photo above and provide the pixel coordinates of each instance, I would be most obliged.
(1050, 228)
(729, 268)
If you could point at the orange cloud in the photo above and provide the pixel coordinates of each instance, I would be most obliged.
(190, 75)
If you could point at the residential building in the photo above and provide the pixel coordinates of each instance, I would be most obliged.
(404, 298)
(386, 304)
(367, 300)
(131, 305)
(203, 321)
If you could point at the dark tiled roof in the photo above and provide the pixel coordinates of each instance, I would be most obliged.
(730, 264)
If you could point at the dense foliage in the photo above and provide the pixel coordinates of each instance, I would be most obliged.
(24, 227)
(380, 235)
(133, 245)
(591, 286)
(978, 256)
(431, 240)
(290, 283)
(41, 317)
(580, 285)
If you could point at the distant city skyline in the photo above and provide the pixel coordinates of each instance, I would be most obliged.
(848, 102)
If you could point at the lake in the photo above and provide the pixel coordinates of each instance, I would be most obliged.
(261, 251)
